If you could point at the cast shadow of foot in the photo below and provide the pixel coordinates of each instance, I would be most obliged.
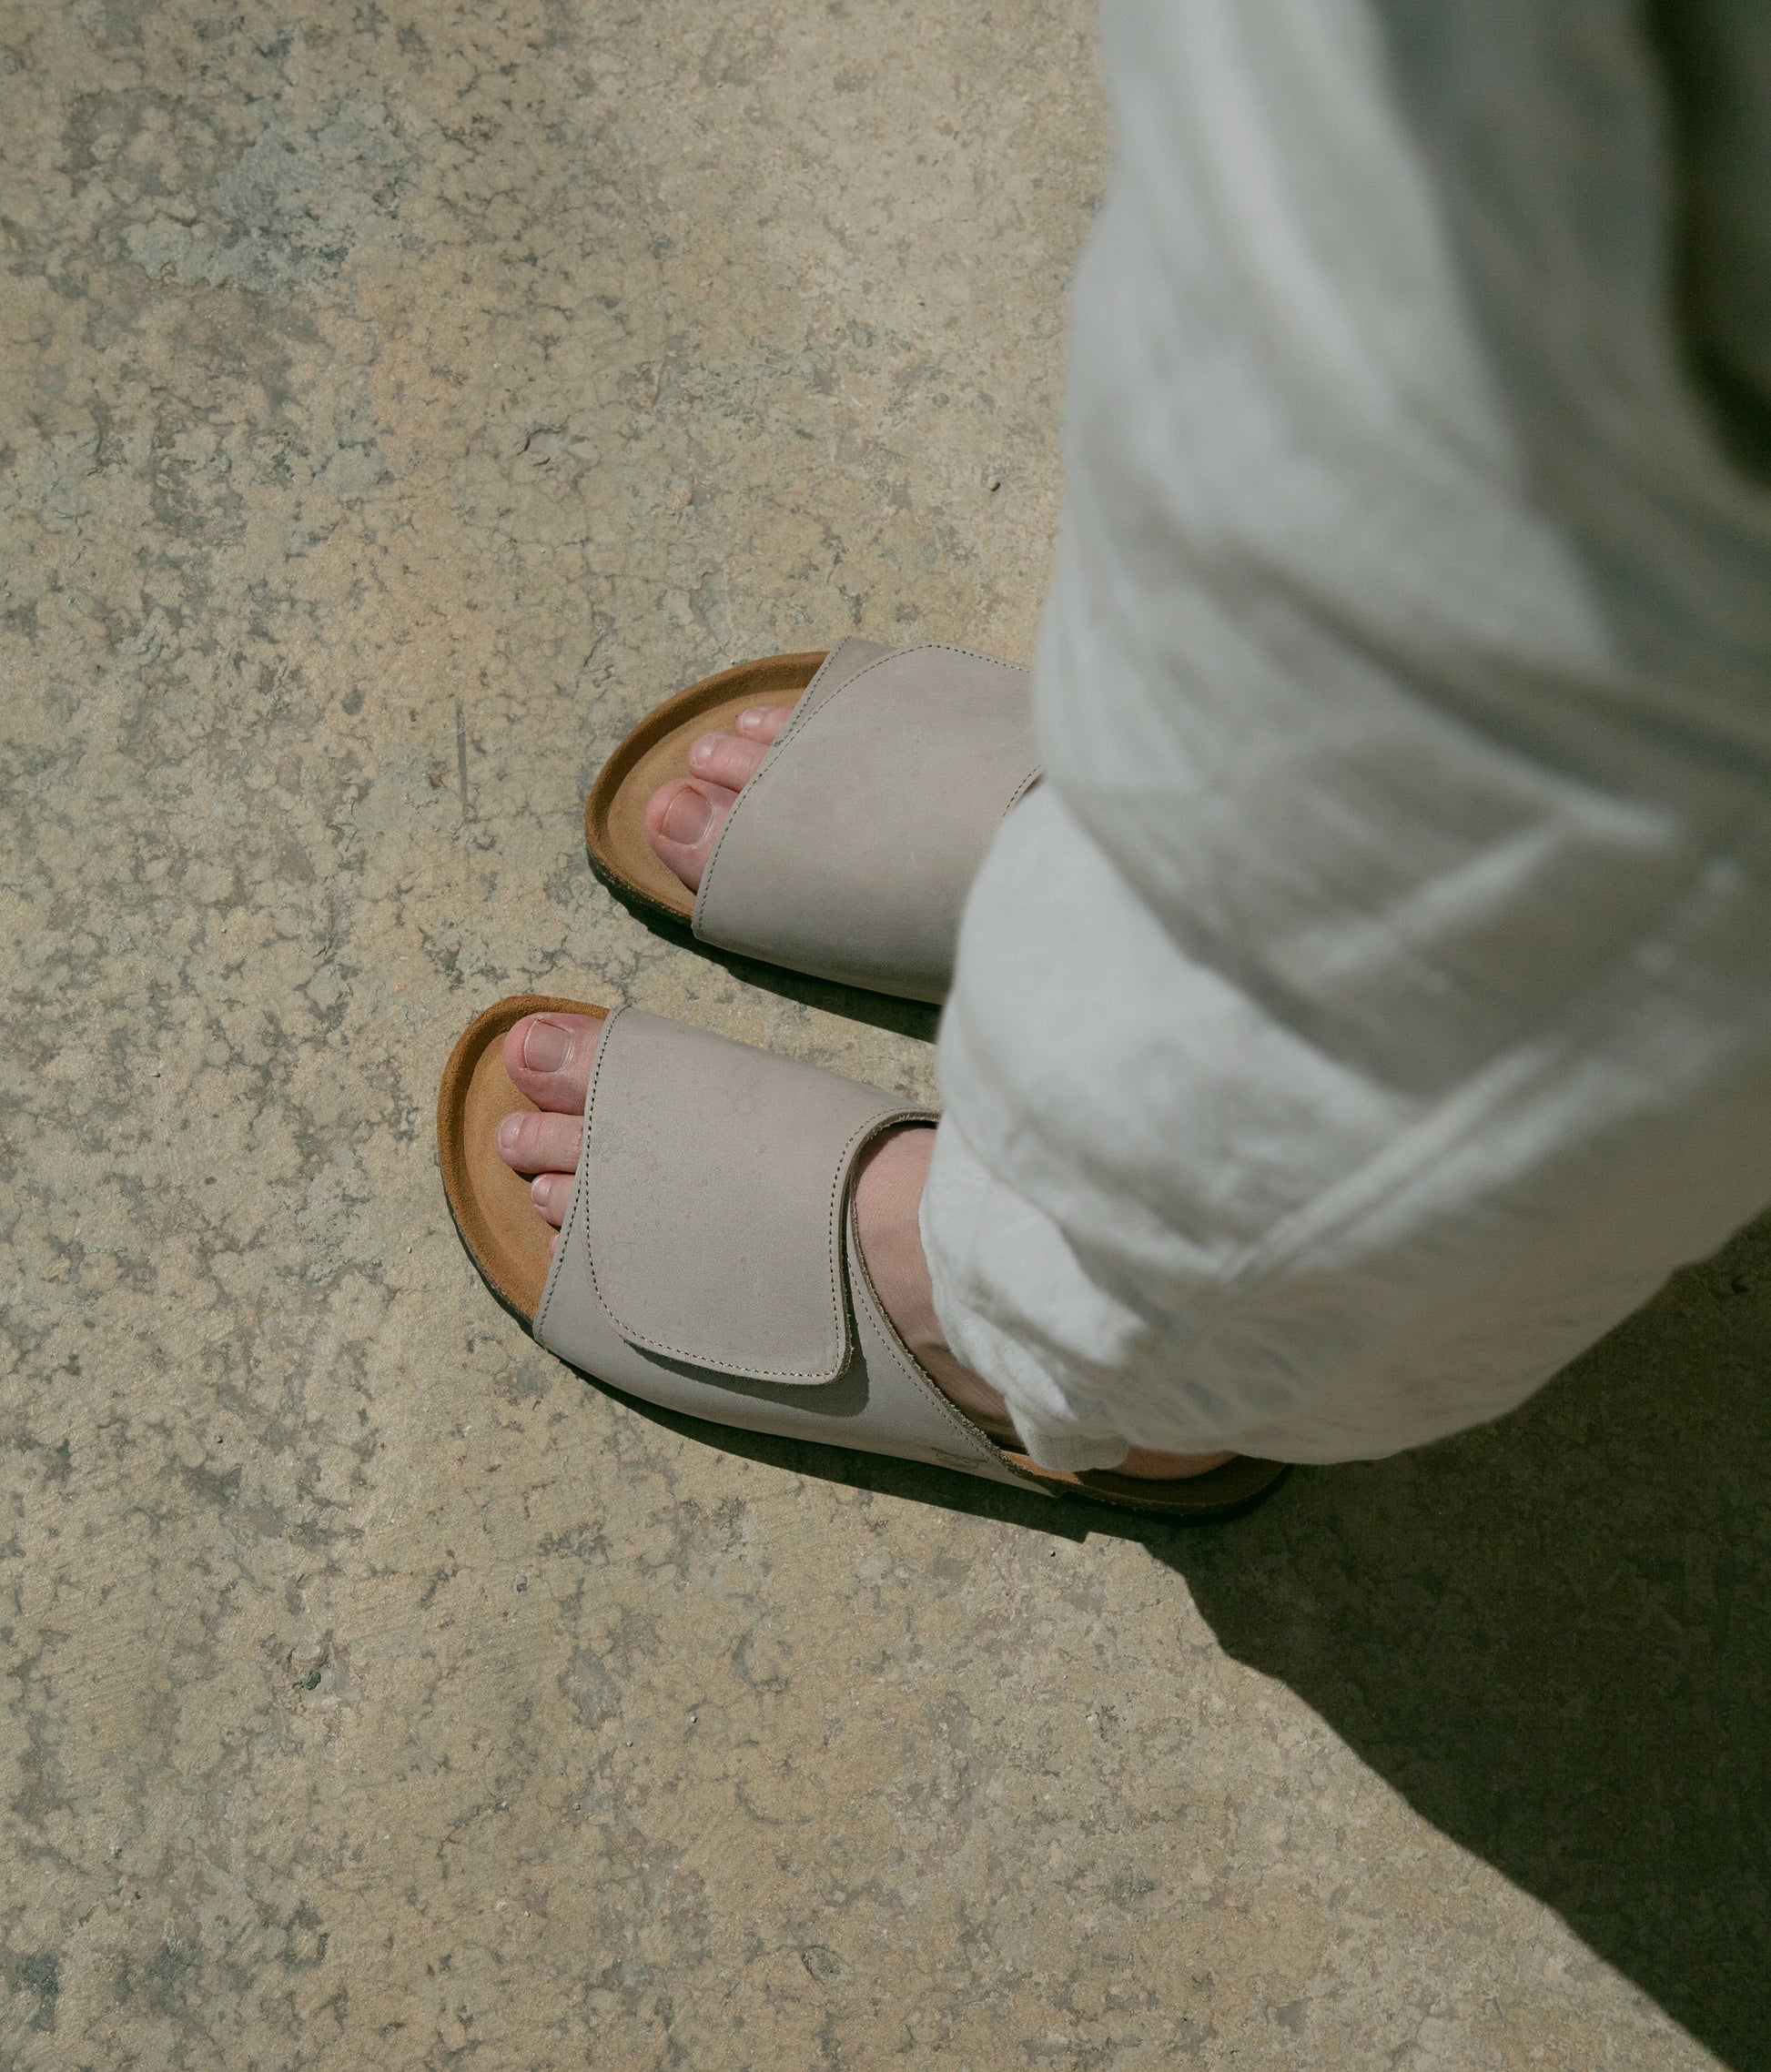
(879, 1010)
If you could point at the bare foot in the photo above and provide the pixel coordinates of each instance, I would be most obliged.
(683, 818)
(549, 1057)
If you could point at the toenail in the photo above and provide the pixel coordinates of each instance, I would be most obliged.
(701, 748)
(545, 1046)
(509, 1131)
(687, 818)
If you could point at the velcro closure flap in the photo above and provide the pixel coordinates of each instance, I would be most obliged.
(712, 1193)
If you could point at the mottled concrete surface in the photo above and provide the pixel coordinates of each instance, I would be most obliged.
(398, 398)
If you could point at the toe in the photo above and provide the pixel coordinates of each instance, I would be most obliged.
(724, 759)
(531, 1143)
(551, 1194)
(764, 722)
(682, 821)
(549, 1057)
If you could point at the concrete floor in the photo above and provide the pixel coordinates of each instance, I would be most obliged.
(398, 399)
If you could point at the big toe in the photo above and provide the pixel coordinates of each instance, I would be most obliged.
(683, 821)
(549, 1059)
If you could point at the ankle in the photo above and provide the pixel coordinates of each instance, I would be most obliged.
(888, 1215)
(888, 1197)
(888, 1194)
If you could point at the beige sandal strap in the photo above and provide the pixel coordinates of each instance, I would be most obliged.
(709, 1229)
(850, 851)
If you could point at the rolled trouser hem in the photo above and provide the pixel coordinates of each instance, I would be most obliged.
(1068, 1444)
(1070, 1448)
(1059, 1429)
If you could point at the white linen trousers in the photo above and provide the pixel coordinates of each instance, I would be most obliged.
(1373, 1005)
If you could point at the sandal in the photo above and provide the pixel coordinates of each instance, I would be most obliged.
(711, 1266)
(804, 874)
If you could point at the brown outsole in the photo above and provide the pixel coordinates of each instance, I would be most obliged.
(1216, 1498)
(658, 750)
(510, 1249)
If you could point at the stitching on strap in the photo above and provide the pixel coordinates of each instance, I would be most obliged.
(1021, 789)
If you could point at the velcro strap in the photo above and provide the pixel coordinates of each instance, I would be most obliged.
(710, 1198)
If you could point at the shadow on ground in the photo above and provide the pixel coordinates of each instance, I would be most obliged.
(853, 1002)
(1551, 1636)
